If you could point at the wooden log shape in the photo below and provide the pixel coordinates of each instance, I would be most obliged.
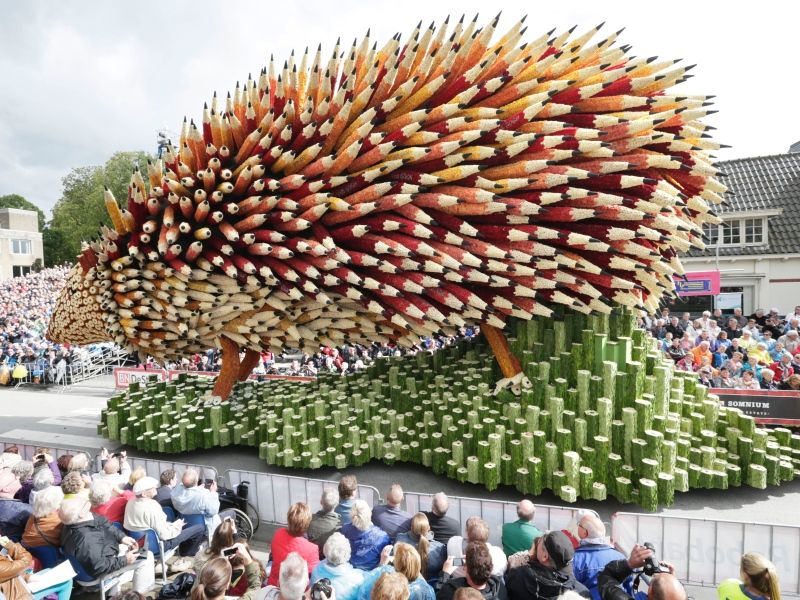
(229, 373)
(248, 364)
(509, 364)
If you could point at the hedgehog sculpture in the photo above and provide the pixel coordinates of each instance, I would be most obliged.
(401, 191)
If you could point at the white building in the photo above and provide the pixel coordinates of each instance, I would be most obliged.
(20, 242)
(757, 247)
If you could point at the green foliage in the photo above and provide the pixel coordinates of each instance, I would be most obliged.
(55, 248)
(80, 210)
(17, 201)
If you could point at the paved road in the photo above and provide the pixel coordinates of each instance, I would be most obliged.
(69, 419)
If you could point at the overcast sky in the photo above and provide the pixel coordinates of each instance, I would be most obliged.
(80, 80)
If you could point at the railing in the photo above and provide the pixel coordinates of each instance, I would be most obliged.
(705, 552)
(273, 494)
(100, 362)
(154, 467)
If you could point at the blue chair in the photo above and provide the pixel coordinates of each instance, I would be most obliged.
(194, 520)
(104, 583)
(172, 514)
(154, 544)
(49, 556)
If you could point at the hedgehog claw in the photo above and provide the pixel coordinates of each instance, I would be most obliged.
(516, 385)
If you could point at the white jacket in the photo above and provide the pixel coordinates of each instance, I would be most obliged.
(146, 513)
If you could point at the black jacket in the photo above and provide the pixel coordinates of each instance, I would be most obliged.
(95, 544)
(611, 578)
(494, 590)
(535, 581)
(443, 527)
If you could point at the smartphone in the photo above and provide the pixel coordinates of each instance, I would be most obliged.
(229, 551)
(457, 561)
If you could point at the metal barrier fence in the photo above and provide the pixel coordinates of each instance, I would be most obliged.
(273, 494)
(494, 512)
(706, 552)
(154, 467)
(28, 451)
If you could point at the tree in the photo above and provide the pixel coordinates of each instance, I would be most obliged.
(17, 201)
(54, 246)
(81, 210)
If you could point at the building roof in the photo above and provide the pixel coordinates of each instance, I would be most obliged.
(763, 183)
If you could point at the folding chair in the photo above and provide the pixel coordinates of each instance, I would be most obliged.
(104, 583)
(155, 545)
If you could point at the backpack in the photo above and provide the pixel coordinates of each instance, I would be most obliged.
(181, 587)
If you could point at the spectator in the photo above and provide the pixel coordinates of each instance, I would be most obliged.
(783, 368)
(136, 475)
(706, 376)
(13, 513)
(244, 575)
(761, 354)
(478, 576)
(44, 526)
(63, 463)
(663, 586)
(443, 527)
(548, 571)
(792, 383)
(400, 558)
(107, 504)
(289, 539)
(143, 513)
(95, 543)
(326, 520)
(345, 578)
(390, 517)
(733, 329)
(24, 472)
(747, 341)
(790, 341)
(748, 381)
(213, 581)
(74, 485)
(366, 540)
(293, 580)
(391, 586)
(724, 379)
(168, 480)
(519, 535)
(759, 580)
(348, 487)
(188, 498)
(676, 351)
(593, 553)
(14, 561)
(477, 530)
(767, 380)
(116, 471)
(42, 479)
(432, 554)
(224, 537)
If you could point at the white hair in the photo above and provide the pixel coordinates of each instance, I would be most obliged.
(337, 549)
(293, 577)
(79, 462)
(100, 492)
(73, 510)
(46, 501)
(329, 499)
(190, 477)
(361, 515)
(23, 470)
(112, 466)
(439, 504)
(42, 479)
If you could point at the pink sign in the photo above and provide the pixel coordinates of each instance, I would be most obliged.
(698, 283)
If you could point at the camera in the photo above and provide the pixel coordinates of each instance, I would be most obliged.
(323, 586)
(651, 566)
(208, 483)
(228, 552)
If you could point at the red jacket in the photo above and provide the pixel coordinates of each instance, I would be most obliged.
(284, 544)
(114, 509)
(781, 372)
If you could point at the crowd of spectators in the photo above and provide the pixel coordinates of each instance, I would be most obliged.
(759, 351)
(347, 550)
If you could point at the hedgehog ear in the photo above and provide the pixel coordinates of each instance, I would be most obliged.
(87, 259)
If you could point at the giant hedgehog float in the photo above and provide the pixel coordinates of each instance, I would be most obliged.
(393, 192)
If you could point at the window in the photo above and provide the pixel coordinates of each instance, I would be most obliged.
(20, 246)
(20, 270)
(754, 231)
(711, 233)
(731, 233)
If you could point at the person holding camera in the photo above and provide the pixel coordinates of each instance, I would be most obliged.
(336, 569)
(548, 572)
(663, 583)
(116, 469)
(478, 575)
(189, 498)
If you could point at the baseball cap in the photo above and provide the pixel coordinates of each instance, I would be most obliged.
(559, 548)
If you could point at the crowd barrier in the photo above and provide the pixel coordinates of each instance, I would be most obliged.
(273, 494)
(124, 376)
(705, 552)
(28, 451)
(494, 512)
(154, 467)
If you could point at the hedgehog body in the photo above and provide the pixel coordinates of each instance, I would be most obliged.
(396, 192)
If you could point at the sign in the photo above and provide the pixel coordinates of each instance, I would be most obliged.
(728, 300)
(775, 407)
(699, 283)
(123, 377)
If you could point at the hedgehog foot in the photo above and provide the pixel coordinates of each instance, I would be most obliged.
(516, 384)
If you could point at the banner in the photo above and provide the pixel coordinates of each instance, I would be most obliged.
(123, 377)
(776, 407)
(699, 283)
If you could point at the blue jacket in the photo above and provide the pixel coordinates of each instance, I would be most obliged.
(418, 589)
(365, 546)
(437, 553)
(197, 500)
(346, 579)
(13, 518)
(589, 561)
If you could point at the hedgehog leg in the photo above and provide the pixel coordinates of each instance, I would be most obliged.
(509, 364)
(249, 363)
(230, 368)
